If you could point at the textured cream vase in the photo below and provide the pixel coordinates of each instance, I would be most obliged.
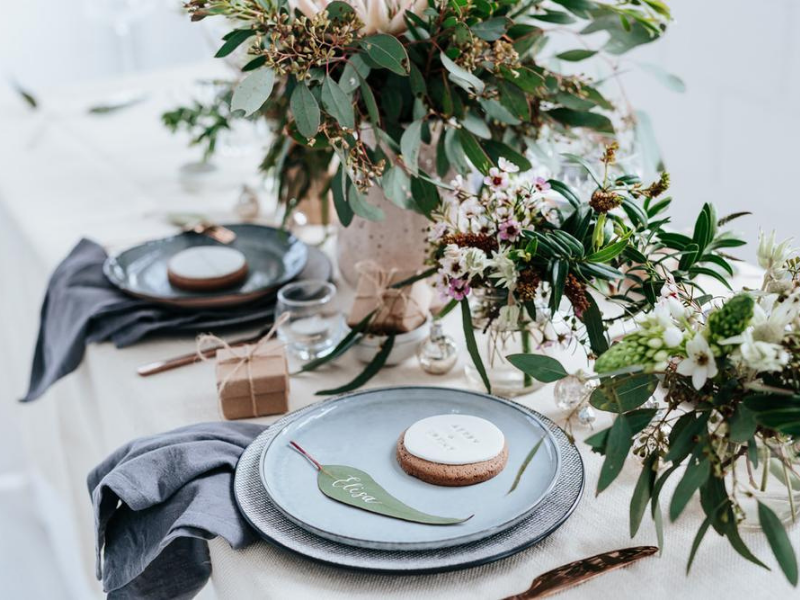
(398, 241)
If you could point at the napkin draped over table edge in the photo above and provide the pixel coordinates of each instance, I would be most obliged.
(158, 499)
(81, 307)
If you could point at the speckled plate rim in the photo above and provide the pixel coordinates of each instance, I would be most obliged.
(295, 544)
(408, 546)
(211, 300)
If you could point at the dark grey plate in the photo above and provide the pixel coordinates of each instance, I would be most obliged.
(269, 521)
(273, 257)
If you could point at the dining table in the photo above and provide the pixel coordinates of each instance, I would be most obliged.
(68, 173)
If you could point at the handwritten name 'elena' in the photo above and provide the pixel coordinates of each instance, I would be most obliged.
(353, 486)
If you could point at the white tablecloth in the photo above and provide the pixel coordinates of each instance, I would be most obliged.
(65, 175)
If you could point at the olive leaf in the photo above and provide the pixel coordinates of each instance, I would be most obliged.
(356, 488)
(253, 91)
(524, 465)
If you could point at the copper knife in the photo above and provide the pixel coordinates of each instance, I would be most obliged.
(582, 570)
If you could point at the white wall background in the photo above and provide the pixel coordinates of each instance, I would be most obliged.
(731, 138)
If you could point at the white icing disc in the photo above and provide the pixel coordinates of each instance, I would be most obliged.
(206, 262)
(454, 439)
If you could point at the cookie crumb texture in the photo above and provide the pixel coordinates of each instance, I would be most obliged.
(450, 475)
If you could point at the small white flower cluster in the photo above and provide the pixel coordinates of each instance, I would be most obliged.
(510, 203)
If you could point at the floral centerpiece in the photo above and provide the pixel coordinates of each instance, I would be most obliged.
(400, 93)
(727, 418)
(534, 254)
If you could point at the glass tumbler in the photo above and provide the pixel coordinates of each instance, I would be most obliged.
(315, 325)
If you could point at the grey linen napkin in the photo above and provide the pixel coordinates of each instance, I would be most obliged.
(82, 307)
(157, 500)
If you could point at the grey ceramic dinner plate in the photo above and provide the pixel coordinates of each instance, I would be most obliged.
(273, 257)
(257, 508)
(361, 430)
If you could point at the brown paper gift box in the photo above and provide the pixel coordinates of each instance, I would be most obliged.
(256, 387)
(399, 310)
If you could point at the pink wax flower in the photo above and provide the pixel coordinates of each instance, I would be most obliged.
(496, 179)
(541, 185)
(509, 230)
(459, 289)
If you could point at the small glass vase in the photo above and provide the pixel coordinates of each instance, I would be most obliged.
(775, 482)
(495, 342)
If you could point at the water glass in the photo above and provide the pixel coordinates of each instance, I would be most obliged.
(315, 325)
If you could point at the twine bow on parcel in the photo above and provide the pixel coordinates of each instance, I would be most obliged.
(246, 358)
(382, 290)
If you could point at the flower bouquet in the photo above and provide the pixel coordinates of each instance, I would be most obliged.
(728, 416)
(532, 251)
(370, 83)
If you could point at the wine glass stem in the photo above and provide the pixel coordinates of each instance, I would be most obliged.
(125, 40)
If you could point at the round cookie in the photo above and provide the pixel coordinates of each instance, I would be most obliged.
(452, 450)
(206, 268)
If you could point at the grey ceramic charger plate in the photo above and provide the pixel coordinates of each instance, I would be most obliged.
(361, 430)
(273, 257)
(255, 504)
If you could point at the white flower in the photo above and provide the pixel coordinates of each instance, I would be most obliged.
(453, 261)
(699, 363)
(378, 16)
(507, 166)
(508, 319)
(437, 232)
(772, 256)
(762, 356)
(475, 261)
(503, 269)
(496, 179)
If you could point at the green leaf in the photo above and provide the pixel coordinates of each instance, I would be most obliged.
(742, 424)
(695, 476)
(355, 71)
(779, 542)
(339, 192)
(474, 152)
(472, 346)
(233, 40)
(682, 438)
(524, 465)
(363, 208)
(668, 80)
(369, 102)
(576, 55)
(624, 393)
(525, 79)
(491, 29)
(337, 103)
(542, 368)
(343, 346)
(417, 81)
(410, 144)
(696, 543)
(554, 16)
(558, 279)
(397, 187)
(424, 194)
(460, 76)
(354, 487)
(574, 118)
(305, 110)
(617, 447)
(593, 320)
(514, 100)
(369, 371)
(641, 493)
(387, 52)
(565, 191)
(495, 150)
(253, 91)
(597, 442)
(609, 252)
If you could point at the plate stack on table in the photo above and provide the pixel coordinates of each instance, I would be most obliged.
(273, 257)
(276, 487)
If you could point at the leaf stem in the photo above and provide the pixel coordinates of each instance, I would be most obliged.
(300, 449)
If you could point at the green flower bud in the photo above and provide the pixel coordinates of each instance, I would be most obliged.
(731, 319)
